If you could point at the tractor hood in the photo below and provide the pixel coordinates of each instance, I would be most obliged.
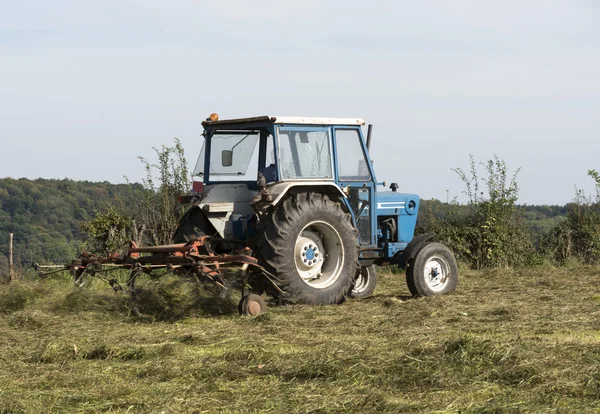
(403, 208)
(390, 203)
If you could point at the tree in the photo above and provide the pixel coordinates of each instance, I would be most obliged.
(107, 232)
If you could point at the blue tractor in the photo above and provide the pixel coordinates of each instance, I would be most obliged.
(301, 193)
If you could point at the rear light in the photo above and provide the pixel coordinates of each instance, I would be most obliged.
(197, 186)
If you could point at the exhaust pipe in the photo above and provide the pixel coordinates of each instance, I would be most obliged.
(369, 131)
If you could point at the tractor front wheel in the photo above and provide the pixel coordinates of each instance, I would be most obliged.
(309, 243)
(432, 272)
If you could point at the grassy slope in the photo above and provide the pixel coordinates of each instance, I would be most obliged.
(506, 341)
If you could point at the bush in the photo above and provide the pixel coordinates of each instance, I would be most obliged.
(488, 231)
(157, 210)
(107, 232)
(578, 237)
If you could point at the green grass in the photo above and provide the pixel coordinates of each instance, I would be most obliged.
(506, 341)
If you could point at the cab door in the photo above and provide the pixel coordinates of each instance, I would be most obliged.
(355, 174)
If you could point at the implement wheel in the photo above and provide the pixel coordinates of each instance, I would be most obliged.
(309, 243)
(84, 276)
(252, 305)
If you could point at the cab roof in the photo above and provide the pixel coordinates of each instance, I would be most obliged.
(288, 120)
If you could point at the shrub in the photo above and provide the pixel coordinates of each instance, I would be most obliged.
(157, 211)
(578, 237)
(107, 232)
(488, 231)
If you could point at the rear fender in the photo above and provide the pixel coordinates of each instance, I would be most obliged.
(274, 194)
(194, 221)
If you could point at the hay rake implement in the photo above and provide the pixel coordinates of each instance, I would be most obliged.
(195, 259)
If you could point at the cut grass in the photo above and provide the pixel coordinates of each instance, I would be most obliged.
(506, 341)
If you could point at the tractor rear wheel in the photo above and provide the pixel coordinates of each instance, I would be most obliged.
(364, 283)
(432, 272)
(309, 243)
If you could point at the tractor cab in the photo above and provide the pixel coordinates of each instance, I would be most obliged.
(248, 165)
(282, 149)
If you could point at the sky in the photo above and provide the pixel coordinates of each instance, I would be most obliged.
(87, 86)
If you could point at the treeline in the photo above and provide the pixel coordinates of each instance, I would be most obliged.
(44, 215)
(54, 220)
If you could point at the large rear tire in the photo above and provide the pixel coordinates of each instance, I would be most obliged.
(309, 243)
(432, 272)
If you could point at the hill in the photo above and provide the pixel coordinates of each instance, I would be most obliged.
(44, 215)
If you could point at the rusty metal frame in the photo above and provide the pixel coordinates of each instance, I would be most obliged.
(195, 258)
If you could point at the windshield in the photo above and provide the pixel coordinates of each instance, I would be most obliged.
(233, 157)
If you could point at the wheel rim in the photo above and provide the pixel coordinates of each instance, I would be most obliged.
(319, 254)
(254, 308)
(362, 280)
(436, 273)
(252, 305)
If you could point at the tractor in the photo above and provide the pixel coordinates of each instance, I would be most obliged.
(288, 207)
(301, 195)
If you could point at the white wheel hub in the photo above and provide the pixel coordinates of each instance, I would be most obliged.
(319, 254)
(362, 280)
(309, 255)
(436, 273)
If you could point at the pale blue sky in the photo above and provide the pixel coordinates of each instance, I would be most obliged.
(87, 86)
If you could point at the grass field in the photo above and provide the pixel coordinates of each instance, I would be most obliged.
(506, 341)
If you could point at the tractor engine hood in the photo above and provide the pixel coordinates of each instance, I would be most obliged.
(390, 203)
(404, 208)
